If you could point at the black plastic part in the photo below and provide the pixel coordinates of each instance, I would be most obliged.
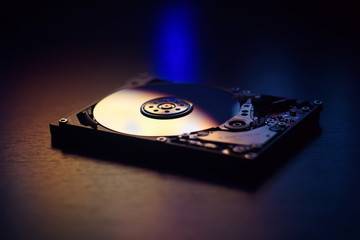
(86, 118)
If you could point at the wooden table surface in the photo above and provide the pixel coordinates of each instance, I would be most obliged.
(56, 60)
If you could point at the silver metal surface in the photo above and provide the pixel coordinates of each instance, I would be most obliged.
(243, 119)
(258, 136)
(121, 111)
(166, 108)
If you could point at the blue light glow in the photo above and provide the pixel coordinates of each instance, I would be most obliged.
(176, 53)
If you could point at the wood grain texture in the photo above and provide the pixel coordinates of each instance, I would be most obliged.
(49, 194)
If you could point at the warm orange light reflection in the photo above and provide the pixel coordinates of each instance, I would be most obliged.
(120, 111)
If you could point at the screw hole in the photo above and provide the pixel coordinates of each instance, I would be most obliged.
(237, 123)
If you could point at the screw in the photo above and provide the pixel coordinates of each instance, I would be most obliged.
(251, 156)
(240, 149)
(282, 124)
(210, 145)
(317, 102)
(305, 109)
(237, 124)
(203, 133)
(63, 120)
(185, 135)
(225, 151)
(161, 139)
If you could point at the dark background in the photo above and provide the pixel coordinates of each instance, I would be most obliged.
(58, 58)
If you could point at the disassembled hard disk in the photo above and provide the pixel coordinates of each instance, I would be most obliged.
(157, 114)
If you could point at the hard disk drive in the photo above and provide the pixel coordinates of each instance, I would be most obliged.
(170, 120)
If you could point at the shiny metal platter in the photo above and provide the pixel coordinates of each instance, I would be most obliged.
(165, 110)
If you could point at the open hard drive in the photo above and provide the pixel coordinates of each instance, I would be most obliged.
(159, 117)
